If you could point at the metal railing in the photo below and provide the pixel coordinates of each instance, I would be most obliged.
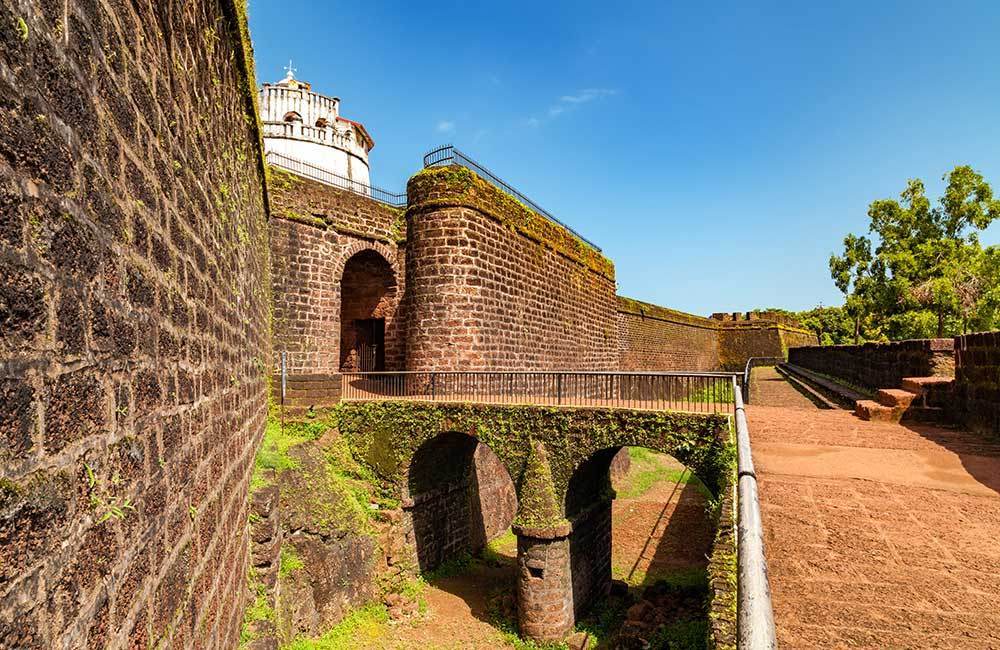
(336, 180)
(449, 155)
(756, 362)
(754, 613)
(693, 392)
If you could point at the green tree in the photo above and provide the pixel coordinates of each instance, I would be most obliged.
(928, 272)
(858, 277)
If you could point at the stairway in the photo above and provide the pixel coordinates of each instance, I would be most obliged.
(921, 399)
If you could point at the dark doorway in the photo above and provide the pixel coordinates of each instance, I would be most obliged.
(370, 346)
(367, 308)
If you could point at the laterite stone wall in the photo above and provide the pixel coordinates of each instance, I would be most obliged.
(495, 286)
(655, 338)
(977, 381)
(133, 322)
(879, 365)
(315, 230)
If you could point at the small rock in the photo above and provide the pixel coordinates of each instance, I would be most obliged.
(578, 641)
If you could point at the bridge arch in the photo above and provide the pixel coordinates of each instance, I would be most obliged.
(457, 496)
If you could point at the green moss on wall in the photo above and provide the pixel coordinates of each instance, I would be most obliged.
(456, 186)
(386, 434)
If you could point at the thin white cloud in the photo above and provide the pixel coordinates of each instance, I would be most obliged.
(570, 102)
(533, 122)
(587, 95)
(445, 126)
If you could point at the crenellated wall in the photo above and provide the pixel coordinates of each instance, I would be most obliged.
(492, 285)
(134, 333)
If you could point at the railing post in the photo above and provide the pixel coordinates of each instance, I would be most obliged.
(559, 388)
(433, 386)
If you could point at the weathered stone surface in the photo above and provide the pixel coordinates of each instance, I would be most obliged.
(133, 321)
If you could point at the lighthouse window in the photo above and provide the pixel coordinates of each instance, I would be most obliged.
(292, 116)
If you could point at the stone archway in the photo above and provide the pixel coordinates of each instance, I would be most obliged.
(368, 302)
(458, 496)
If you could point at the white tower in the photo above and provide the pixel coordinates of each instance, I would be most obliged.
(307, 127)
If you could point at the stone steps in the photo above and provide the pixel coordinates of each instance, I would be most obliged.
(921, 399)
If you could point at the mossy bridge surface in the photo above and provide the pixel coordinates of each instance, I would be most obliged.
(557, 457)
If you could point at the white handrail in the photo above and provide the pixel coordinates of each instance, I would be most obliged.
(754, 615)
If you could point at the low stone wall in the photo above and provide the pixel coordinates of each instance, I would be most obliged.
(879, 365)
(722, 577)
(977, 382)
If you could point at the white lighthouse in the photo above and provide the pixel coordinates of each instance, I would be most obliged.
(304, 126)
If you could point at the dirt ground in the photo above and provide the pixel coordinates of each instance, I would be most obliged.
(878, 535)
(660, 530)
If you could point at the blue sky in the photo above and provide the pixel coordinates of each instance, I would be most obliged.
(718, 155)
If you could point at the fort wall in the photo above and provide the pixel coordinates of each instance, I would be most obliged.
(655, 338)
(315, 230)
(133, 322)
(492, 285)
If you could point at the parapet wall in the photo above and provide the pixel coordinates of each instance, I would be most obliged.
(492, 285)
(879, 365)
(133, 322)
(977, 381)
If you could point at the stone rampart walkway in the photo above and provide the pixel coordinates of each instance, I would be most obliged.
(878, 535)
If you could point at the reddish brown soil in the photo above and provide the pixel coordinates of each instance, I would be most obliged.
(878, 535)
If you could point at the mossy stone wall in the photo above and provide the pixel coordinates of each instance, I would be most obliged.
(134, 331)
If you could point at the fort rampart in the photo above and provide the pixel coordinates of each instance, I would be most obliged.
(651, 337)
(133, 322)
(493, 285)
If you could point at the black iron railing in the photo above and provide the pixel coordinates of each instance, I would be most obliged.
(325, 176)
(694, 392)
(449, 155)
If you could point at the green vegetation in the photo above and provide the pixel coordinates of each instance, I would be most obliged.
(278, 440)
(105, 504)
(718, 392)
(923, 272)
(258, 610)
(648, 469)
(681, 635)
(366, 624)
(290, 562)
(22, 29)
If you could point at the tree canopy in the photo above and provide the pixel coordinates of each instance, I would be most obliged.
(921, 270)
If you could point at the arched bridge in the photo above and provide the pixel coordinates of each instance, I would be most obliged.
(445, 445)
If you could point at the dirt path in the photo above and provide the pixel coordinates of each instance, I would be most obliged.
(879, 535)
(768, 387)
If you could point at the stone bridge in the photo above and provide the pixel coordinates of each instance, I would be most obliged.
(558, 461)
